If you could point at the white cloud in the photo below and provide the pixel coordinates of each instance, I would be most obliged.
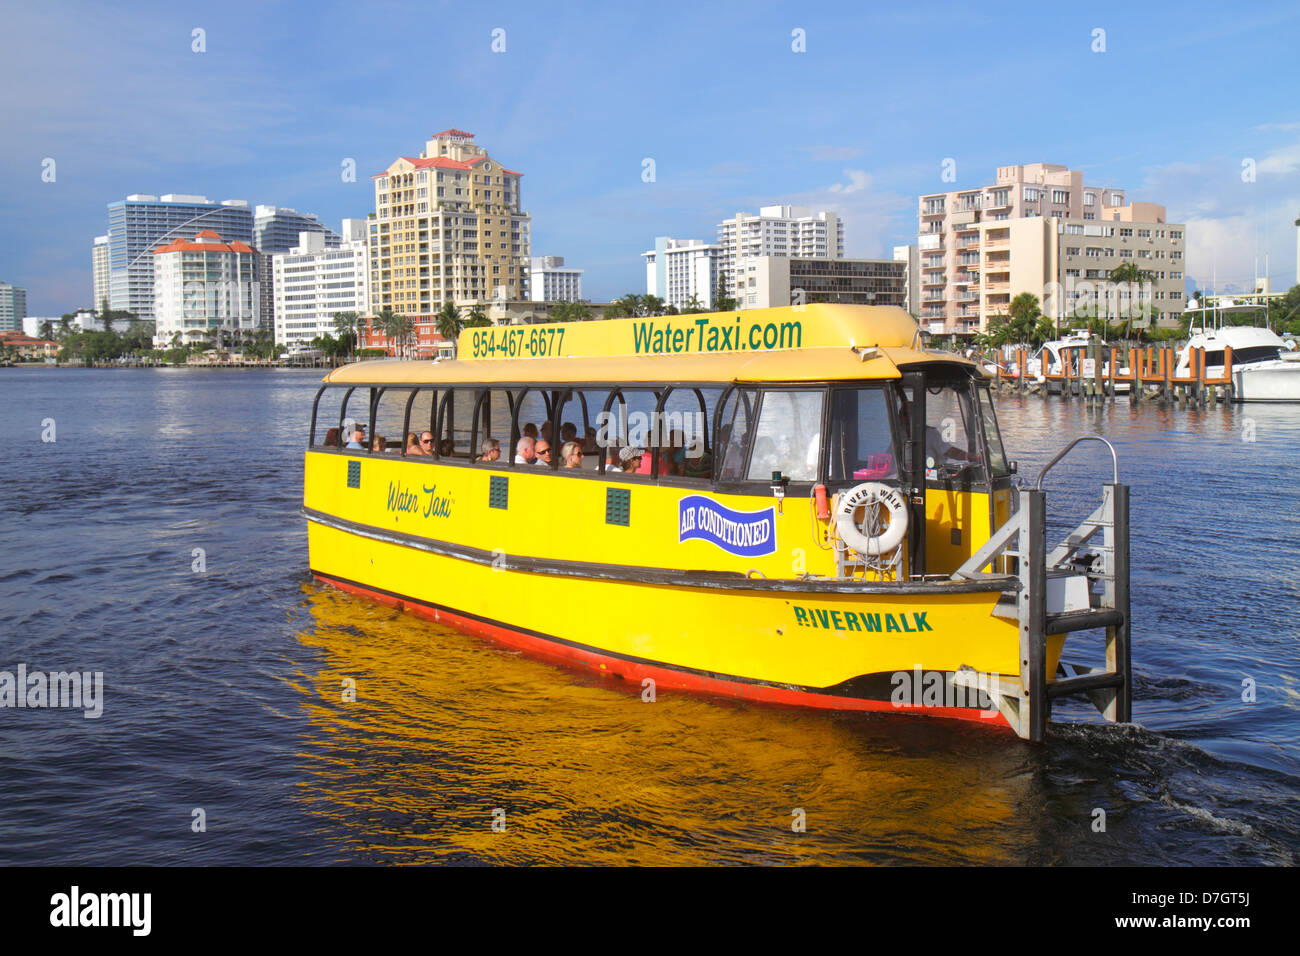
(859, 179)
(1283, 161)
(1235, 229)
(869, 215)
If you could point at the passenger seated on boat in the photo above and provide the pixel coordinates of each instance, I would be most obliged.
(446, 448)
(530, 431)
(542, 449)
(631, 459)
(589, 446)
(568, 432)
(379, 443)
(571, 454)
(546, 431)
(332, 439)
(697, 464)
(491, 449)
(526, 452)
(412, 444)
(358, 437)
(424, 446)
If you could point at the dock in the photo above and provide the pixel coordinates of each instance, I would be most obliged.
(1150, 377)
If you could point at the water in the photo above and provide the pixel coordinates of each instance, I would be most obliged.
(223, 688)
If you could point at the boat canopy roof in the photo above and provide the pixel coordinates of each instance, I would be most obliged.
(808, 344)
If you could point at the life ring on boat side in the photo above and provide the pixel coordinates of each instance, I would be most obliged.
(869, 494)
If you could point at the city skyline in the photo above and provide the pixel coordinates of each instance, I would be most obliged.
(858, 113)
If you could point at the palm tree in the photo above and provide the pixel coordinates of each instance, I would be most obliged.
(47, 330)
(348, 325)
(1129, 274)
(693, 305)
(385, 320)
(571, 312)
(399, 329)
(477, 318)
(449, 322)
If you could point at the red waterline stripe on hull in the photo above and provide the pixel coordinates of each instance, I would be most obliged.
(664, 677)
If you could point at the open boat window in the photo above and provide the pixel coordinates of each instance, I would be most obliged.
(624, 429)
(455, 423)
(328, 415)
(788, 438)
(681, 439)
(492, 420)
(421, 416)
(390, 415)
(861, 439)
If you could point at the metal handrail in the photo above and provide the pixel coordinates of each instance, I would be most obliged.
(1066, 450)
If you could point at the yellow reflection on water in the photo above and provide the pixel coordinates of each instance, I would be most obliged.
(447, 728)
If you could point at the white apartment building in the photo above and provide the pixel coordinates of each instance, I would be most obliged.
(203, 284)
(550, 280)
(678, 269)
(912, 293)
(316, 279)
(778, 231)
(99, 270)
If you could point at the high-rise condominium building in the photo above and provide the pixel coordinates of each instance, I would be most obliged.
(314, 281)
(203, 284)
(550, 280)
(448, 226)
(975, 259)
(276, 229)
(13, 307)
(99, 271)
(141, 223)
(680, 271)
(1067, 263)
(777, 231)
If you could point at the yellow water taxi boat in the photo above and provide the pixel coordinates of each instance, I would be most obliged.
(798, 506)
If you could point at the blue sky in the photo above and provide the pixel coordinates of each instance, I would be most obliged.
(860, 122)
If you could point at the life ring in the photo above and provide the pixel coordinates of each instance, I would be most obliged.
(870, 494)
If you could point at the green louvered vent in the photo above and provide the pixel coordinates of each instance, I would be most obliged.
(618, 506)
(354, 474)
(499, 492)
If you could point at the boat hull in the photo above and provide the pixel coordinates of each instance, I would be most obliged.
(1267, 382)
(828, 650)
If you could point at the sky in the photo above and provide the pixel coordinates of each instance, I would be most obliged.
(853, 107)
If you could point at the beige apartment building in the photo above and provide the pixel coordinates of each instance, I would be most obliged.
(1039, 228)
(448, 226)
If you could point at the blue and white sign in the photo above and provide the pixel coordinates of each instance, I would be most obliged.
(747, 533)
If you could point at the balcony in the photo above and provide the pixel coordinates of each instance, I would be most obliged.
(933, 297)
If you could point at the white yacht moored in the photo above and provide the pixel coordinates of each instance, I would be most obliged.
(1265, 368)
(1049, 360)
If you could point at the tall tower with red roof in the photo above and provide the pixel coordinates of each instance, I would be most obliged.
(448, 226)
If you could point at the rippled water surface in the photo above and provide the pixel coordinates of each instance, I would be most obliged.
(223, 687)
